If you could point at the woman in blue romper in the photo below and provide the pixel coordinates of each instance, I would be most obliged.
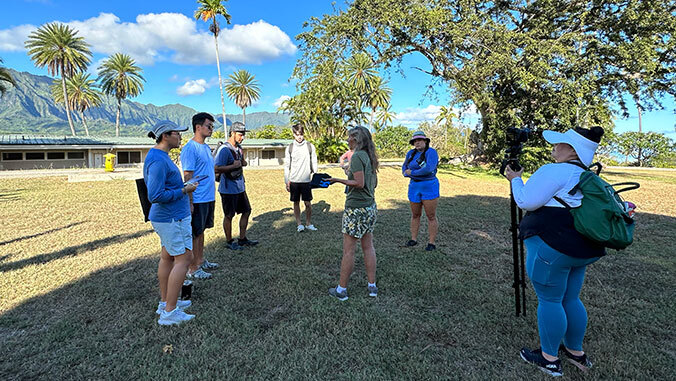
(423, 189)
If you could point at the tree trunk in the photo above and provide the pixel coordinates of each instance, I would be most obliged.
(220, 83)
(640, 130)
(373, 128)
(84, 123)
(117, 117)
(65, 102)
(244, 115)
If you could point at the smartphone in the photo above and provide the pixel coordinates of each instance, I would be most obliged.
(196, 179)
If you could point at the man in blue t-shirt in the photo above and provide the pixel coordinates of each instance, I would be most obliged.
(229, 163)
(198, 163)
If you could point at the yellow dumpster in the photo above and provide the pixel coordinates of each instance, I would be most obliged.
(110, 164)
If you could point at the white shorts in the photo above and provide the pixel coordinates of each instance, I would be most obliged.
(175, 236)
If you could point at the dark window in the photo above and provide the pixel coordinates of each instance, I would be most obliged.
(7, 156)
(76, 155)
(35, 156)
(56, 155)
(128, 157)
(268, 154)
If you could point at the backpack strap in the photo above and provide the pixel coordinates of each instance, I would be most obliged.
(630, 186)
(290, 148)
(309, 151)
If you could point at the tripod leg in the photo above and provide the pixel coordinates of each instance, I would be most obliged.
(523, 270)
(515, 253)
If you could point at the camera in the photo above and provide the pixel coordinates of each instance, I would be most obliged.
(515, 139)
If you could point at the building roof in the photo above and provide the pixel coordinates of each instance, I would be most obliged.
(123, 141)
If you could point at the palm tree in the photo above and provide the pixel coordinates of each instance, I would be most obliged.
(446, 115)
(120, 77)
(360, 73)
(5, 77)
(378, 97)
(209, 10)
(82, 95)
(58, 47)
(385, 116)
(243, 89)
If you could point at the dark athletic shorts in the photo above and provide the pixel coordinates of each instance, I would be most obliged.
(235, 204)
(202, 217)
(299, 190)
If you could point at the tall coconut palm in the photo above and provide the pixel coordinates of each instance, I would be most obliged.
(82, 95)
(209, 10)
(5, 77)
(243, 89)
(384, 117)
(378, 97)
(58, 47)
(120, 77)
(446, 116)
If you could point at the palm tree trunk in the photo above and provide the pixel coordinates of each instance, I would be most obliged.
(373, 128)
(220, 83)
(244, 115)
(117, 118)
(84, 123)
(65, 101)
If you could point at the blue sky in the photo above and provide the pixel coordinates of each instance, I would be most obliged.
(177, 53)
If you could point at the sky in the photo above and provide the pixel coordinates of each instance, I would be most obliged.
(177, 53)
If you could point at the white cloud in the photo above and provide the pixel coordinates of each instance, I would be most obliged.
(169, 37)
(278, 101)
(195, 87)
(414, 116)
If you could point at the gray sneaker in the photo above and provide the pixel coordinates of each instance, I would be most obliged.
(177, 316)
(206, 265)
(342, 296)
(198, 274)
(232, 245)
(373, 291)
(181, 304)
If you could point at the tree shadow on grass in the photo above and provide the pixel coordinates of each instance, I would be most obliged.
(71, 251)
(10, 195)
(266, 313)
(43, 233)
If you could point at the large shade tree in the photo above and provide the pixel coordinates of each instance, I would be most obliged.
(209, 10)
(82, 95)
(552, 64)
(58, 47)
(120, 77)
(243, 89)
(5, 79)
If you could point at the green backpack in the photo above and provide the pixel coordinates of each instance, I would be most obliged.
(601, 217)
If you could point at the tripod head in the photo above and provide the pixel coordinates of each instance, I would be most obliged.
(515, 139)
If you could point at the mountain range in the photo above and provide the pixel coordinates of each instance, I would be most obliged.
(28, 108)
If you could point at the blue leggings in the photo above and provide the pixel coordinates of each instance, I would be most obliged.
(557, 279)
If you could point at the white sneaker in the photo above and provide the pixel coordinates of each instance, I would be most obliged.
(301, 228)
(311, 228)
(182, 304)
(198, 274)
(177, 316)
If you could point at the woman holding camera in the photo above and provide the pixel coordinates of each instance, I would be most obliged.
(557, 255)
(359, 217)
(420, 166)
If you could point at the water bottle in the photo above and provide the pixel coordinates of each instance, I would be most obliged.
(629, 208)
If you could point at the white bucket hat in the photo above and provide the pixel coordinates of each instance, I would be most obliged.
(584, 148)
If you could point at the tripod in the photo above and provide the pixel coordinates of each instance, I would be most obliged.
(517, 257)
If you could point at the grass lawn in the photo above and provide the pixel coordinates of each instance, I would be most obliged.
(78, 289)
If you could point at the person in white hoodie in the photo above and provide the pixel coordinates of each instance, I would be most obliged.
(300, 162)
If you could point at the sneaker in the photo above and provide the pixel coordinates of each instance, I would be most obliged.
(198, 274)
(232, 245)
(177, 316)
(206, 265)
(342, 296)
(552, 368)
(182, 304)
(583, 362)
(430, 247)
(311, 228)
(247, 242)
(373, 291)
(411, 242)
(301, 228)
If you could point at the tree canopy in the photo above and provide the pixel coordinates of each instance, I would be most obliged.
(552, 64)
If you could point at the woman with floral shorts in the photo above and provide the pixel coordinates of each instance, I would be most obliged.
(360, 214)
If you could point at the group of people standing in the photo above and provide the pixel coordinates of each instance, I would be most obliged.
(183, 207)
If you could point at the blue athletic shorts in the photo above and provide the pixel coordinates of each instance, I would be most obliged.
(423, 190)
(175, 236)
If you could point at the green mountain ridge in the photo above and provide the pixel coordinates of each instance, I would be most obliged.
(28, 108)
